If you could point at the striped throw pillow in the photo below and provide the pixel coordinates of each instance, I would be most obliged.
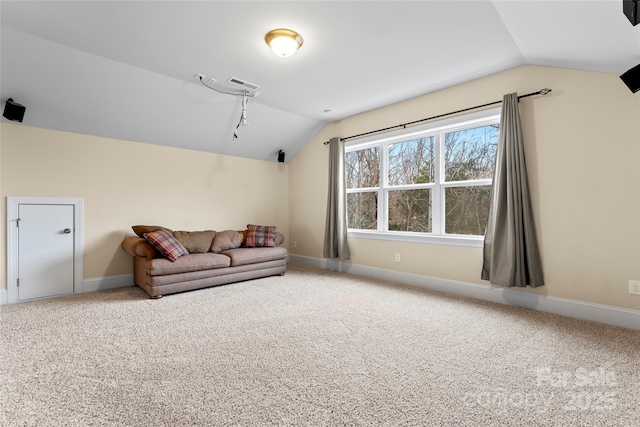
(260, 236)
(168, 245)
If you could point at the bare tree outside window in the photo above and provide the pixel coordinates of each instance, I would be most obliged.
(362, 210)
(411, 162)
(362, 170)
(469, 155)
(410, 210)
(467, 209)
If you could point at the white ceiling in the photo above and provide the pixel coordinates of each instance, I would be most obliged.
(127, 69)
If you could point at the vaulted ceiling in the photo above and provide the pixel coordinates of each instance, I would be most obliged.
(127, 69)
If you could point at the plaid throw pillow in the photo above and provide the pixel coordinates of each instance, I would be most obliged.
(166, 244)
(260, 236)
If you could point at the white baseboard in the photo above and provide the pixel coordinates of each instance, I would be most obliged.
(92, 285)
(611, 315)
(109, 282)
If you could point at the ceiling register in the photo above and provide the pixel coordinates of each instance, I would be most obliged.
(245, 94)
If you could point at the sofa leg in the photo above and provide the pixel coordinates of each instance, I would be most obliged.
(281, 274)
(156, 297)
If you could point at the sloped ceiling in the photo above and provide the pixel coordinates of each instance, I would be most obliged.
(128, 69)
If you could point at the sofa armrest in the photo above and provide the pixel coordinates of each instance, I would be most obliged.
(139, 247)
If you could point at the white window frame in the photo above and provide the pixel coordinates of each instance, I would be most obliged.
(436, 129)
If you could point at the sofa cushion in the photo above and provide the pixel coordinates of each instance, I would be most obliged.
(260, 236)
(166, 244)
(224, 240)
(196, 242)
(188, 263)
(243, 256)
(141, 229)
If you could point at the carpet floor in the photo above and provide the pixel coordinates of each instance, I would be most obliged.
(311, 348)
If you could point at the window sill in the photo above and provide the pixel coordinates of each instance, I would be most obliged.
(451, 240)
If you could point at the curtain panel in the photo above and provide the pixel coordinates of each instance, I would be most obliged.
(335, 232)
(510, 253)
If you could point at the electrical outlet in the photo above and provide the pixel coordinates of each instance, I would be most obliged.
(295, 244)
(634, 287)
(397, 257)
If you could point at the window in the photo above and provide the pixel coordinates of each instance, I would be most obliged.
(429, 184)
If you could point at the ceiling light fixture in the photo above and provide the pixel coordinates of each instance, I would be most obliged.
(283, 42)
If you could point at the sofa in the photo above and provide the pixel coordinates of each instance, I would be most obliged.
(167, 261)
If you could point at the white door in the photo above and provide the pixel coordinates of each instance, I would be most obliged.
(45, 250)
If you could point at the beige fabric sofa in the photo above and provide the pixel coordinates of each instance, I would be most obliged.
(160, 276)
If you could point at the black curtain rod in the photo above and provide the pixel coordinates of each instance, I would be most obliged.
(404, 125)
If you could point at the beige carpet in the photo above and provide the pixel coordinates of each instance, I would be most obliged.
(312, 348)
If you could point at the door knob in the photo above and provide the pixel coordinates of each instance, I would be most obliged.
(66, 231)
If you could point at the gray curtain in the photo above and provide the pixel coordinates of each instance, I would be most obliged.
(510, 255)
(335, 232)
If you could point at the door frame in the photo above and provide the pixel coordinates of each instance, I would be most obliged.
(12, 240)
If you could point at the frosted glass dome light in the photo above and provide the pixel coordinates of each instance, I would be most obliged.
(283, 42)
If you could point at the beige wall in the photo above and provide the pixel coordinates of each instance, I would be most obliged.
(583, 159)
(583, 154)
(126, 183)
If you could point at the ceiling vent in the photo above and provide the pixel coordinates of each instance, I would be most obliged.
(245, 85)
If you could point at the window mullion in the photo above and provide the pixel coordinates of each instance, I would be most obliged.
(383, 194)
(437, 205)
